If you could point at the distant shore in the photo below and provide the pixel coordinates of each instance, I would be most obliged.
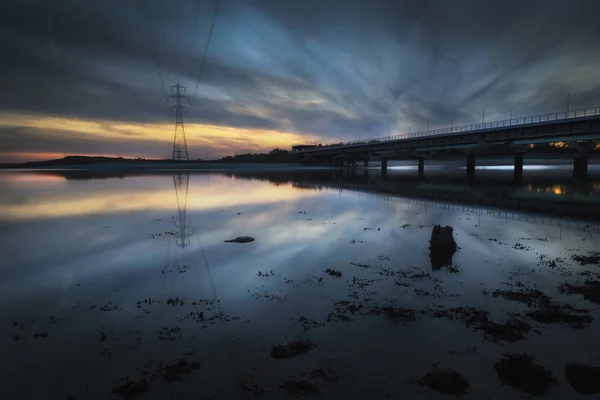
(124, 165)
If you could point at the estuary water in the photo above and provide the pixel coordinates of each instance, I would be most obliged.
(122, 286)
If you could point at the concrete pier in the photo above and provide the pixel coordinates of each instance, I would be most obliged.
(471, 166)
(518, 174)
(580, 166)
(421, 167)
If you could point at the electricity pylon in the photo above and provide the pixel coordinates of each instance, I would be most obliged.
(180, 151)
(181, 182)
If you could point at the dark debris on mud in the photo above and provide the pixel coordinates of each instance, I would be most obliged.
(168, 373)
(308, 323)
(249, 383)
(593, 258)
(521, 372)
(511, 331)
(554, 313)
(590, 290)
(299, 387)
(547, 311)
(531, 297)
(583, 378)
(333, 272)
(292, 349)
(445, 381)
(395, 314)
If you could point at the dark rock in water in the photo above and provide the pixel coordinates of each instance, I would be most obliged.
(442, 247)
(583, 378)
(520, 372)
(446, 381)
(240, 239)
(292, 349)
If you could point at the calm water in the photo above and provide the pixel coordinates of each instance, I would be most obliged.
(80, 258)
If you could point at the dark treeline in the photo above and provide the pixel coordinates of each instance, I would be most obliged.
(274, 156)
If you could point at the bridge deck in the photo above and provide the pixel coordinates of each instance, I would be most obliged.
(573, 125)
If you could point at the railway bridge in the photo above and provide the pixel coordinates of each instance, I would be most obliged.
(578, 129)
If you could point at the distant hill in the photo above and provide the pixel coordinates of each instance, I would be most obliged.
(83, 160)
(274, 156)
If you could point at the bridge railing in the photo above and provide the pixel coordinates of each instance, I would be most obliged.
(563, 115)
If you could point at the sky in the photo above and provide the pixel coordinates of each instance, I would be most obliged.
(93, 77)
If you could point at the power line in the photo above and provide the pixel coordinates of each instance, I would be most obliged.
(155, 55)
(193, 51)
(210, 33)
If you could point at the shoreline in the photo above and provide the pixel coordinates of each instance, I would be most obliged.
(135, 165)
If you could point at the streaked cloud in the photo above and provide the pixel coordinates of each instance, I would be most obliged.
(282, 72)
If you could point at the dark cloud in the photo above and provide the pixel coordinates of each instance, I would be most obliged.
(328, 68)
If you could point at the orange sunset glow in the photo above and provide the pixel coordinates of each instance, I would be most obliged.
(219, 140)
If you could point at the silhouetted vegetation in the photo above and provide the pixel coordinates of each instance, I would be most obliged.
(274, 156)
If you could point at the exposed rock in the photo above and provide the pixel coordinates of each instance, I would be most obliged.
(583, 378)
(442, 246)
(240, 239)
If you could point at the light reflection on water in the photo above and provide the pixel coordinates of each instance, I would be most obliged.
(70, 245)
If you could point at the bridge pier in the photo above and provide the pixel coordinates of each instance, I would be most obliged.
(580, 166)
(471, 167)
(366, 163)
(421, 167)
(384, 167)
(518, 174)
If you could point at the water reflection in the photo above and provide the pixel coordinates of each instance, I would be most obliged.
(181, 182)
(375, 231)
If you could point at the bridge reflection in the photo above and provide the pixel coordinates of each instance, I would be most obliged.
(556, 203)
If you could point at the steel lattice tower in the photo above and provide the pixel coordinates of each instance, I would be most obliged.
(180, 151)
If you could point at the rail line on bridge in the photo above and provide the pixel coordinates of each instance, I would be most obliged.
(512, 122)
